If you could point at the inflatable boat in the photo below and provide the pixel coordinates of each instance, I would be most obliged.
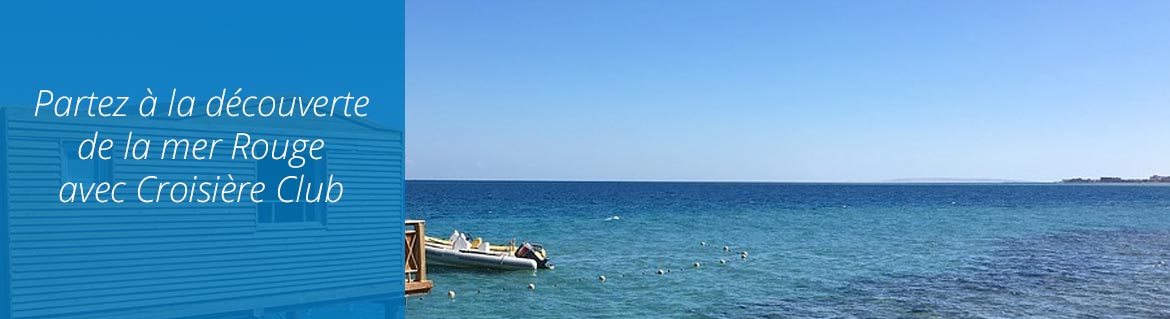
(457, 251)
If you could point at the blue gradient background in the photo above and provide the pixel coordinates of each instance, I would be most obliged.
(290, 48)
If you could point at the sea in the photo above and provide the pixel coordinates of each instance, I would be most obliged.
(813, 250)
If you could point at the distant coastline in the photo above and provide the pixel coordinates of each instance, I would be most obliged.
(1117, 180)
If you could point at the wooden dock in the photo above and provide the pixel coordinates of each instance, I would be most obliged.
(416, 259)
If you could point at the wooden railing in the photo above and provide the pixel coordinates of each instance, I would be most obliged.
(416, 258)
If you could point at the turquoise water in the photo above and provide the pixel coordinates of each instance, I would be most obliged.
(815, 250)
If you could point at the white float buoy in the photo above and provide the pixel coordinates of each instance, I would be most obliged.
(697, 264)
(661, 272)
(451, 294)
(725, 248)
(702, 243)
(531, 286)
(723, 261)
(602, 278)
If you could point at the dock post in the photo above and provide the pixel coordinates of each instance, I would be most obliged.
(416, 259)
(422, 257)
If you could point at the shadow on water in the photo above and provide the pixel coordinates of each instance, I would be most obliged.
(445, 270)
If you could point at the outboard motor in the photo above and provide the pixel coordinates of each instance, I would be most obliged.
(534, 252)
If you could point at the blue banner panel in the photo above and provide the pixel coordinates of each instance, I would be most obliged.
(202, 160)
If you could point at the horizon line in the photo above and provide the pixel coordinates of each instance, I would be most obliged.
(891, 181)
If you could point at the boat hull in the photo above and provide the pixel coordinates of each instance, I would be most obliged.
(437, 256)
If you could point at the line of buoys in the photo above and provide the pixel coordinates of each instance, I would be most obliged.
(661, 271)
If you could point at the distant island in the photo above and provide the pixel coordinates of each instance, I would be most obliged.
(1114, 180)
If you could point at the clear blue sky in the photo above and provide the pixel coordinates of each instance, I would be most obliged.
(787, 91)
